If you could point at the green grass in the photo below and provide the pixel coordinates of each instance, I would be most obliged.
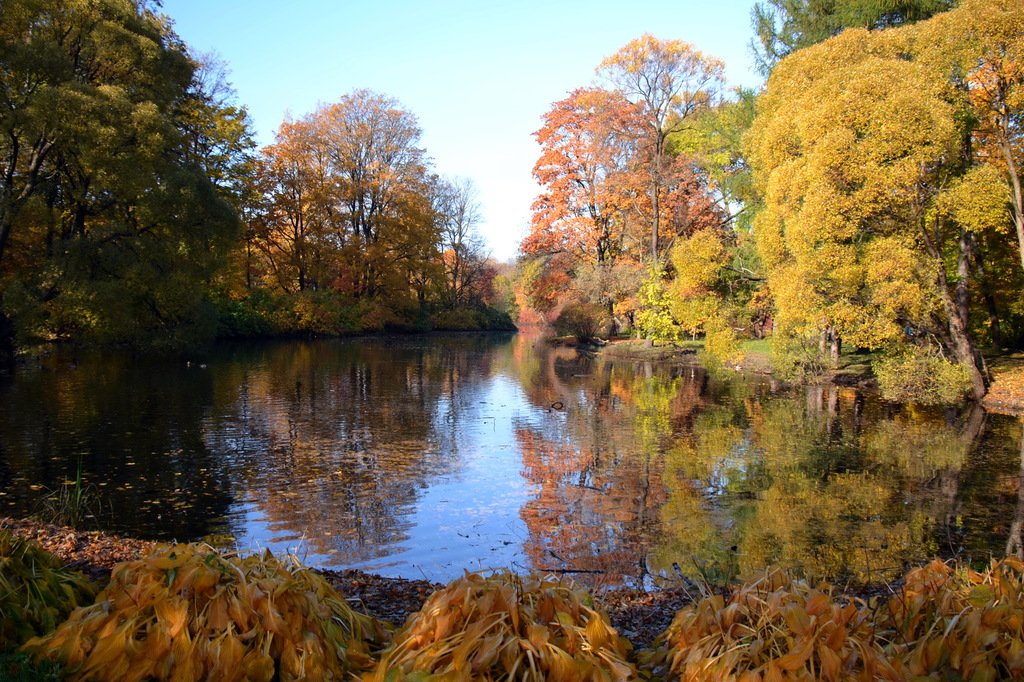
(17, 667)
(756, 346)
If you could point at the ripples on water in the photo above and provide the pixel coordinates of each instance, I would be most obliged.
(425, 456)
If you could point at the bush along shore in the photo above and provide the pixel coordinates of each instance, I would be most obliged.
(89, 606)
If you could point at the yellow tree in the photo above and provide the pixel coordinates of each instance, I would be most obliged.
(350, 202)
(672, 82)
(853, 148)
(979, 48)
(296, 175)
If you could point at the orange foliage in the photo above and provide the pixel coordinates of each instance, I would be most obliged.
(586, 147)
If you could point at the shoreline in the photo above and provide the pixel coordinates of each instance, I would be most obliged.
(1005, 395)
(637, 615)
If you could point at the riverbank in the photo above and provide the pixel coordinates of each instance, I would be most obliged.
(755, 357)
(1005, 395)
(639, 616)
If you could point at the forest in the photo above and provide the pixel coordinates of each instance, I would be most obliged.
(136, 209)
(866, 200)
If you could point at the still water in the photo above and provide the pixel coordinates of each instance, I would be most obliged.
(425, 456)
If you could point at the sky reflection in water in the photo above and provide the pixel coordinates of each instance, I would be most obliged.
(425, 456)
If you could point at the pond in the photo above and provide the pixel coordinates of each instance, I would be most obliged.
(426, 456)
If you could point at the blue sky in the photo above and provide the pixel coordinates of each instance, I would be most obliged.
(478, 75)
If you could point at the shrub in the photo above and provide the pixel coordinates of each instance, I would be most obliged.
(319, 313)
(585, 321)
(916, 375)
(797, 358)
(248, 317)
(654, 318)
(773, 628)
(471, 319)
(36, 592)
(504, 627)
(189, 612)
(458, 320)
(956, 623)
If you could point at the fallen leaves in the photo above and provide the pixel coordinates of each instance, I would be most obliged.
(1006, 394)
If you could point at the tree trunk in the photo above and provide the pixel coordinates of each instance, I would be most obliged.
(963, 277)
(1017, 204)
(956, 313)
(995, 331)
(963, 348)
(830, 345)
(656, 206)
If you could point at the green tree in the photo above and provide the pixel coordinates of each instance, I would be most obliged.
(110, 225)
(785, 26)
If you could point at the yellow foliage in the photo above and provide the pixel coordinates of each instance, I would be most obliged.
(697, 260)
(506, 627)
(189, 612)
(979, 201)
(953, 620)
(772, 629)
(848, 149)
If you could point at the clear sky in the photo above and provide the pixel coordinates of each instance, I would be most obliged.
(478, 74)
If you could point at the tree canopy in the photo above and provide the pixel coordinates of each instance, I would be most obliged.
(782, 27)
(114, 203)
(870, 151)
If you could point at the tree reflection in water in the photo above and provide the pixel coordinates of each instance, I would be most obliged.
(434, 454)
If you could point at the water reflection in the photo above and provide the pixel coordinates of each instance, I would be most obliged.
(425, 456)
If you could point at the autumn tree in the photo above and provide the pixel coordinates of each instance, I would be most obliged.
(586, 219)
(854, 162)
(114, 214)
(613, 169)
(719, 287)
(463, 253)
(350, 202)
(587, 146)
(381, 175)
(671, 82)
(979, 50)
(296, 177)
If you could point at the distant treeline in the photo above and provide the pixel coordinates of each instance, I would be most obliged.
(135, 208)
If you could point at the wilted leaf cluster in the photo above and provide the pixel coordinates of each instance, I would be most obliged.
(188, 612)
(506, 627)
(773, 629)
(36, 592)
(949, 620)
